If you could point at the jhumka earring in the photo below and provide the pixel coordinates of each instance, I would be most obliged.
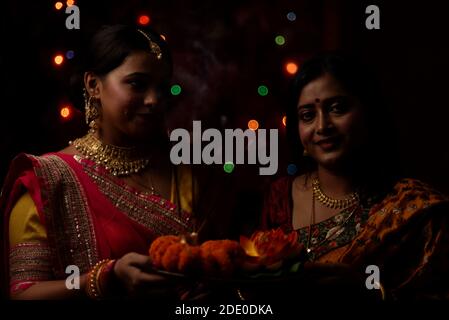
(91, 112)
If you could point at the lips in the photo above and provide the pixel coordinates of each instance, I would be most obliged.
(328, 143)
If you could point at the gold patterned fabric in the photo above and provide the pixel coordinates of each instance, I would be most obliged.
(405, 233)
(30, 262)
(65, 211)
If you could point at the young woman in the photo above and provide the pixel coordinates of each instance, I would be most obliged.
(347, 203)
(99, 203)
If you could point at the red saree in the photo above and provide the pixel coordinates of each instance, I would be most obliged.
(406, 234)
(88, 214)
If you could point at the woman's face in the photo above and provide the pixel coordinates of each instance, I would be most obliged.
(331, 124)
(131, 97)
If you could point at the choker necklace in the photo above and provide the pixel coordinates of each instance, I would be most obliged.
(329, 202)
(119, 161)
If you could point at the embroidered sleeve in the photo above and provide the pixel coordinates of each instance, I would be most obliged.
(29, 255)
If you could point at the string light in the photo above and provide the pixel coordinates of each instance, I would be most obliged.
(58, 5)
(262, 90)
(66, 112)
(175, 89)
(228, 167)
(253, 125)
(58, 59)
(70, 54)
(291, 16)
(163, 37)
(284, 121)
(280, 40)
(144, 20)
(291, 68)
(292, 169)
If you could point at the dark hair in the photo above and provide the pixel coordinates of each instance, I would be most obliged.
(112, 44)
(109, 47)
(377, 160)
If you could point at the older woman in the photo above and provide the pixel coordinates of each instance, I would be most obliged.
(99, 203)
(346, 202)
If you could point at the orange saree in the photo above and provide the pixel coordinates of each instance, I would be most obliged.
(406, 234)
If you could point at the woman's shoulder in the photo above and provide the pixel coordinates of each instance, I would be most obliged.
(410, 195)
(407, 187)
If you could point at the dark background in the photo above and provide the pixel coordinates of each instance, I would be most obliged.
(223, 50)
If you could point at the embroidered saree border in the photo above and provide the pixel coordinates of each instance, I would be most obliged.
(29, 262)
(151, 211)
(68, 220)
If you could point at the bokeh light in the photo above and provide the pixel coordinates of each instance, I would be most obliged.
(280, 40)
(175, 89)
(228, 167)
(70, 54)
(70, 3)
(253, 125)
(58, 5)
(291, 67)
(292, 169)
(58, 59)
(163, 37)
(144, 20)
(284, 121)
(262, 90)
(291, 16)
(65, 112)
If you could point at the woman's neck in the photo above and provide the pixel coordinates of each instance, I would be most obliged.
(333, 184)
(154, 146)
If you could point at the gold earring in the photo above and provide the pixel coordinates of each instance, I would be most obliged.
(305, 153)
(91, 113)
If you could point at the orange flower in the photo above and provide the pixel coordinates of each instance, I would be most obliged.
(270, 248)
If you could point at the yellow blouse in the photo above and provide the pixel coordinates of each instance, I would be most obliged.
(25, 225)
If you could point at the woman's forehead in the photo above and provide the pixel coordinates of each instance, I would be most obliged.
(321, 88)
(142, 62)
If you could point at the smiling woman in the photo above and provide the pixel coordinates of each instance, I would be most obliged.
(100, 202)
(348, 203)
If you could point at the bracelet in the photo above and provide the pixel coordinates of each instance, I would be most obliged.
(98, 278)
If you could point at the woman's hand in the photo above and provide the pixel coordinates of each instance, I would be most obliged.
(133, 271)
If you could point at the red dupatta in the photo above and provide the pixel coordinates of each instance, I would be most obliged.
(88, 214)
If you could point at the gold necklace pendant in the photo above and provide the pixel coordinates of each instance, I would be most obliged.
(119, 161)
(329, 202)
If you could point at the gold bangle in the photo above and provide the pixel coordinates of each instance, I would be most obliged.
(93, 289)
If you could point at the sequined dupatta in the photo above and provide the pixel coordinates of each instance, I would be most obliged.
(87, 213)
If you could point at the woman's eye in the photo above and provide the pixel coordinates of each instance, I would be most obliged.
(306, 116)
(339, 108)
(137, 84)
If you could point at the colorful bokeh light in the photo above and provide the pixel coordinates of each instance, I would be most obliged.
(253, 124)
(58, 59)
(262, 90)
(144, 20)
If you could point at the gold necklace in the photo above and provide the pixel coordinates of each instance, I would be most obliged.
(329, 202)
(120, 161)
